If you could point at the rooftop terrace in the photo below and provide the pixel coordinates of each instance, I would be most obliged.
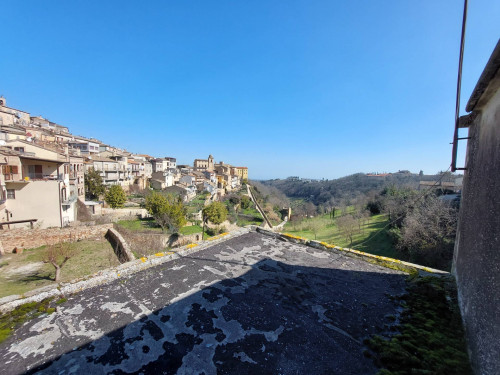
(250, 304)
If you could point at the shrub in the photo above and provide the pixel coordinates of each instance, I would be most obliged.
(375, 207)
(211, 231)
(215, 212)
(168, 211)
(115, 196)
(246, 202)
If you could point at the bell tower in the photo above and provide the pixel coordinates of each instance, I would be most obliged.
(210, 163)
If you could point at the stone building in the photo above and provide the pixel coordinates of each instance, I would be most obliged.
(12, 116)
(241, 172)
(204, 164)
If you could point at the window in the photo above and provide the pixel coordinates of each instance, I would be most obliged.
(9, 169)
(11, 194)
(35, 171)
(20, 149)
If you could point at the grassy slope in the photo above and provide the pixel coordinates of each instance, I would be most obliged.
(92, 256)
(140, 224)
(191, 230)
(150, 225)
(429, 337)
(251, 211)
(196, 204)
(381, 244)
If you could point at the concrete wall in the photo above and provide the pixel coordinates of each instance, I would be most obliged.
(39, 151)
(35, 200)
(33, 238)
(477, 247)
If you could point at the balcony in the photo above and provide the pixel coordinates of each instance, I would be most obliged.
(27, 154)
(45, 177)
(112, 176)
(75, 175)
(69, 201)
(12, 177)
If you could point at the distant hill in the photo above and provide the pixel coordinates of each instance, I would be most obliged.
(333, 192)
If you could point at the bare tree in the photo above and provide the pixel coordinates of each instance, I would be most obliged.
(310, 209)
(57, 255)
(348, 227)
(315, 226)
(429, 230)
(358, 216)
(365, 218)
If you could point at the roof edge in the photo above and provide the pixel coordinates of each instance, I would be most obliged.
(489, 72)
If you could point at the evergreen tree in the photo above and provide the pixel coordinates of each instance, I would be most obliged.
(168, 211)
(115, 196)
(94, 186)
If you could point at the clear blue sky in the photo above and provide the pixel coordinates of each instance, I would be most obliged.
(309, 88)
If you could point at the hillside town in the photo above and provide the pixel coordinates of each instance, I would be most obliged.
(44, 167)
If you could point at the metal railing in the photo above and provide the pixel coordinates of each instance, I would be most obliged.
(41, 176)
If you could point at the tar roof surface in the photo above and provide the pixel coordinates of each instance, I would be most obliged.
(251, 304)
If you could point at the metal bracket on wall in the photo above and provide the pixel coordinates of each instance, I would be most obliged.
(463, 122)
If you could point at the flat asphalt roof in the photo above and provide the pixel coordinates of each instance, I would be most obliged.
(250, 305)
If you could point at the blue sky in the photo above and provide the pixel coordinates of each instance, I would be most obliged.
(308, 88)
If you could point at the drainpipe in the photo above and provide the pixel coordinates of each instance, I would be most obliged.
(8, 214)
(60, 203)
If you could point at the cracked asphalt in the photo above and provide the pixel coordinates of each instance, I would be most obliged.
(249, 305)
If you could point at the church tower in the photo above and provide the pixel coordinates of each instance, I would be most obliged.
(210, 163)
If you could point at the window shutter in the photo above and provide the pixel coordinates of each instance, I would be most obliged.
(13, 169)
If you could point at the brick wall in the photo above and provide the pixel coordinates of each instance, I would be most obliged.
(32, 238)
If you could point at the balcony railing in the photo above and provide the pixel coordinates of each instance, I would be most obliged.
(12, 177)
(41, 176)
(26, 153)
(69, 201)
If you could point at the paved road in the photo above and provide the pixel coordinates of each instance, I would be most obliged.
(250, 305)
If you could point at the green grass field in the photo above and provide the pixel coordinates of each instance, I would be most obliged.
(196, 204)
(150, 225)
(376, 243)
(140, 225)
(20, 273)
(191, 230)
(252, 217)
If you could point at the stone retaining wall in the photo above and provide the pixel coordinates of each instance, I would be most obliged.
(32, 238)
(147, 242)
(120, 246)
(125, 213)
